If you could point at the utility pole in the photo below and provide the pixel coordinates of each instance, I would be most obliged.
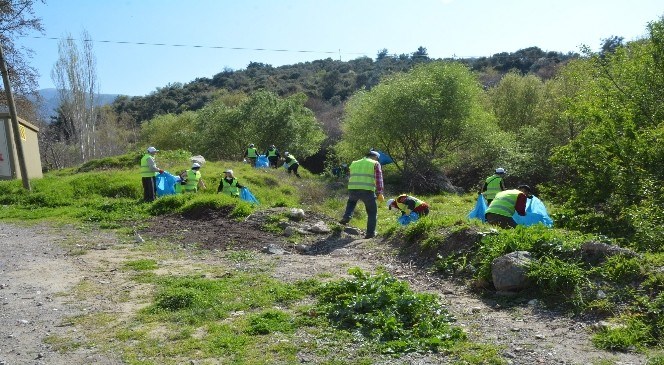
(14, 122)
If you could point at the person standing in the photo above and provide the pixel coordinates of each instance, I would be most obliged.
(366, 184)
(229, 184)
(273, 156)
(148, 169)
(493, 185)
(194, 180)
(406, 204)
(293, 165)
(504, 205)
(252, 154)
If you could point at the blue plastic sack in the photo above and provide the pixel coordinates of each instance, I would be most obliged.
(406, 219)
(384, 158)
(286, 165)
(165, 184)
(535, 213)
(247, 196)
(262, 162)
(480, 209)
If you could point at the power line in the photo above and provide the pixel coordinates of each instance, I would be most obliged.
(197, 46)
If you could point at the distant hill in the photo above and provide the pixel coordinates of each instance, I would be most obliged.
(51, 101)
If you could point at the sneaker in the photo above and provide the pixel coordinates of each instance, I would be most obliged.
(369, 235)
(344, 221)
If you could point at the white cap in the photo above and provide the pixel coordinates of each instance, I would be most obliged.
(196, 165)
(251, 145)
(500, 170)
(286, 153)
(389, 203)
(152, 149)
(229, 171)
(374, 153)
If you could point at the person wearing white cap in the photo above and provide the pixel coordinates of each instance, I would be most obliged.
(194, 180)
(148, 169)
(293, 165)
(407, 204)
(252, 154)
(229, 184)
(273, 156)
(493, 185)
(365, 183)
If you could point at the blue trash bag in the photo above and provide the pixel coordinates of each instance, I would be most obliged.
(247, 196)
(480, 209)
(384, 158)
(165, 184)
(406, 219)
(286, 165)
(535, 213)
(262, 162)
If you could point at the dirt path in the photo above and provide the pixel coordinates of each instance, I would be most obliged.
(39, 281)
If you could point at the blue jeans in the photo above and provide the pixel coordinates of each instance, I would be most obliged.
(369, 199)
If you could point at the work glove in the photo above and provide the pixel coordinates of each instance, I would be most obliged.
(380, 198)
(161, 171)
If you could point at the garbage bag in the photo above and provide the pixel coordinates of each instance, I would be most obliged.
(247, 196)
(286, 165)
(165, 184)
(480, 209)
(535, 213)
(384, 158)
(262, 162)
(406, 219)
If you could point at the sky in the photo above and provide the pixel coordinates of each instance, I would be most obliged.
(203, 37)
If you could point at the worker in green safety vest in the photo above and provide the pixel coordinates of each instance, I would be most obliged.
(229, 184)
(366, 184)
(273, 156)
(292, 163)
(504, 205)
(148, 170)
(194, 180)
(493, 185)
(251, 154)
(407, 204)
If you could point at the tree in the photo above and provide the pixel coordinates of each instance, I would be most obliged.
(75, 77)
(17, 19)
(426, 120)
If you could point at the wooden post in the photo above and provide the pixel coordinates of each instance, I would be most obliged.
(14, 122)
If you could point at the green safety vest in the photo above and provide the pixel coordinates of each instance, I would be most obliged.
(362, 175)
(492, 186)
(230, 189)
(272, 152)
(293, 160)
(252, 153)
(404, 207)
(145, 169)
(504, 203)
(192, 180)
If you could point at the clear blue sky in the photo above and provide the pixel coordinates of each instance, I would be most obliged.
(340, 29)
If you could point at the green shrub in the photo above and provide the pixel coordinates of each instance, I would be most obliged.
(558, 279)
(621, 270)
(176, 299)
(270, 321)
(386, 310)
(656, 360)
(631, 333)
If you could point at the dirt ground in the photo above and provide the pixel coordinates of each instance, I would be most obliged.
(41, 271)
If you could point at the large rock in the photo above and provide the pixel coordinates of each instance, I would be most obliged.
(596, 252)
(320, 227)
(509, 271)
(296, 214)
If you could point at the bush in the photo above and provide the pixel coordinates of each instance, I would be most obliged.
(558, 279)
(631, 333)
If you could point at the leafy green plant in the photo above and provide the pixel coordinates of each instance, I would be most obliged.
(386, 310)
(558, 279)
(631, 332)
(270, 321)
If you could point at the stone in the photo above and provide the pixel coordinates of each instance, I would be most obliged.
(320, 227)
(597, 252)
(273, 250)
(509, 271)
(296, 214)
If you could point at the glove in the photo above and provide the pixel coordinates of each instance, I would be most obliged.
(380, 198)
(479, 193)
(161, 171)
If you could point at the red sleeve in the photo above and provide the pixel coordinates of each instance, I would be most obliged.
(378, 174)
(520, 206)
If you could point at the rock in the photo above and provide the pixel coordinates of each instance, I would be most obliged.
(296, 214)
(596, 252)
(320, 227)
(353, 231)
(509, 271)
(273, 250)
(300, 248)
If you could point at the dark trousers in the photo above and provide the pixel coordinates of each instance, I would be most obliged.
(149, 188)
(252, 161)
(273, 161)
(293, 168)
(369, 199)
(500, 220)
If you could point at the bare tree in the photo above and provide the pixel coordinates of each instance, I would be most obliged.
(17, 19)
(75, 77)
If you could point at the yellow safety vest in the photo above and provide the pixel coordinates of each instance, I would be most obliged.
(492, 186)
(192, 181)
(404, 207)
(272, 152)
(504, 203)
(362, 175)
(252, 153)
(230, 189)
(145, 169)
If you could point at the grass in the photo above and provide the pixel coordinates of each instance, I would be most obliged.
(230, 316)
